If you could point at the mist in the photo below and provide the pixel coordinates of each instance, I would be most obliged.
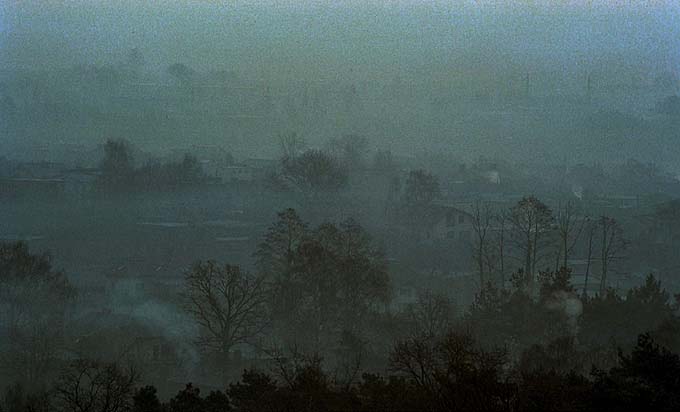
(427, 76)
(211, 205)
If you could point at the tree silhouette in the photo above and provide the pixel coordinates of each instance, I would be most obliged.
(228, 304)
(531, 222)
(34, 299)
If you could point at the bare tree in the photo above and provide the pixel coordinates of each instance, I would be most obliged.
(612, 245)
(531, 222)
(289, 364)
(349, 359)
(501, 222)
(453, 370)
(276, 253)
(33, 298)
(227, 303)
(416, 358)
(431, 313)
(569, 228)
(88, 386)
(482, 220)
(339, 278)
(591, 228)
(291, 145)
(314, 172)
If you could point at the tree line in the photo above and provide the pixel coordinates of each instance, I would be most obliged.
(317, 311)
(120, 174)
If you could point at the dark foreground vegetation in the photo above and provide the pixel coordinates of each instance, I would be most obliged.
(445, 374)
(537, 344)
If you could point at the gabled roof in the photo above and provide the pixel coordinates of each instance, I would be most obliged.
(452, 207)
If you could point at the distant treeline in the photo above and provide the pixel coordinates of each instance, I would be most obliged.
(118, 171)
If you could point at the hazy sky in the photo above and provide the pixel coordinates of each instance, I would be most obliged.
(328, 36)
(455, 48)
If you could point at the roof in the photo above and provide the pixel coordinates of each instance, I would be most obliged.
(448, 206)
(435, 213)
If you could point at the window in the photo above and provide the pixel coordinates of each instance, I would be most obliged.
(461, 218)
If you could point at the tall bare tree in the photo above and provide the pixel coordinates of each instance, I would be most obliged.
(276, 253)
(612, 246)
(324, 280)
(590, 230)
(482, 221)
(569, 228)
(531, 222)
(227, 303)
(501, 222)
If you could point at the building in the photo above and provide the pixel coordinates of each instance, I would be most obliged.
(450, 222)
(435, 222)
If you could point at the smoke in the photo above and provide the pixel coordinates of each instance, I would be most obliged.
(570, 305)
(174, 325)
(162, 318)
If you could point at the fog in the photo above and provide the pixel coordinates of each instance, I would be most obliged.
(211, 205)
(429, 76)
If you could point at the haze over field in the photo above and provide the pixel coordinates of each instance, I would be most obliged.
(501, 79)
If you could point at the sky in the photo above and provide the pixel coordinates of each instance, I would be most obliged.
(452, 50)
(328, 36)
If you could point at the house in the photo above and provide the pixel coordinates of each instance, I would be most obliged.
(434, 222)
(450, 222)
